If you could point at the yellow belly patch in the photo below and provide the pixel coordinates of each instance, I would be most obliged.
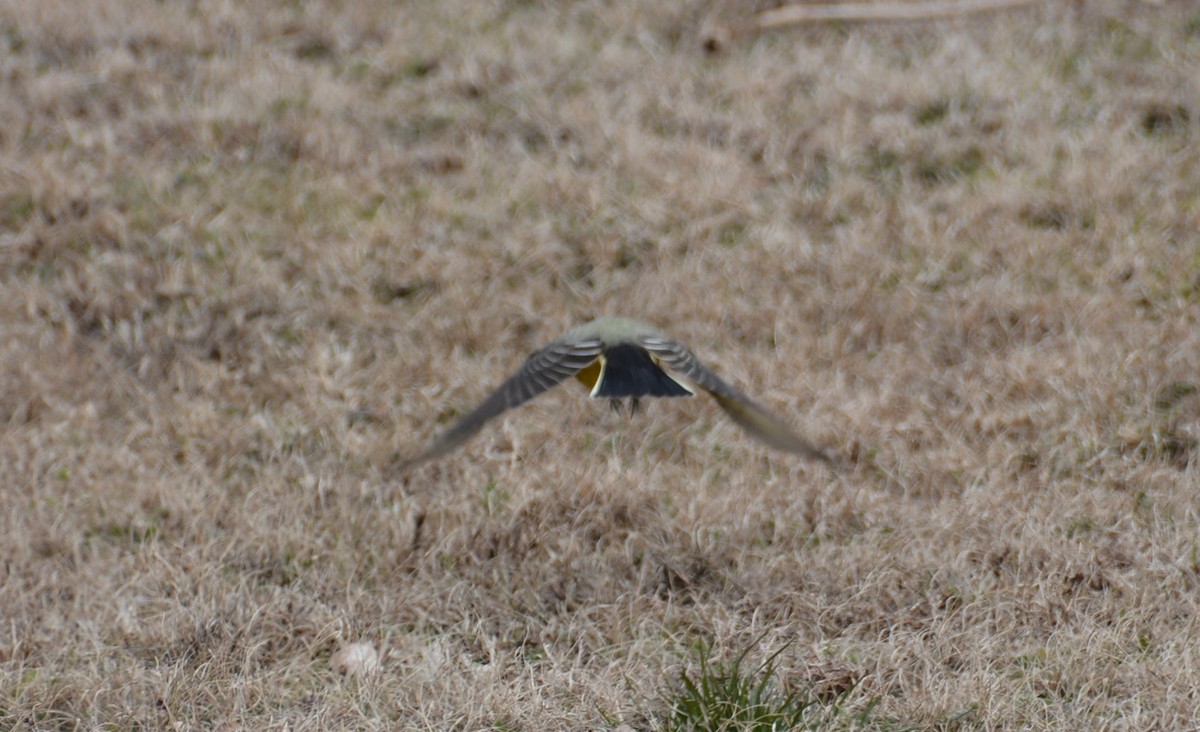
(590, 374)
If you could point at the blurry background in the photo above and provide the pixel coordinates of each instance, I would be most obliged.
(250, 253)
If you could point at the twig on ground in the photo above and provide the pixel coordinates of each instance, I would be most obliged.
(863, 12)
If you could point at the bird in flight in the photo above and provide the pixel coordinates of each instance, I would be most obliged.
(619, 358)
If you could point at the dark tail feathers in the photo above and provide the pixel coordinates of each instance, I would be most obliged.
(630, 372)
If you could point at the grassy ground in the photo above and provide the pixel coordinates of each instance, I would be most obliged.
(250, 254)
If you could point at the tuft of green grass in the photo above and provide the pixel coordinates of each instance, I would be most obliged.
(732, 697)
(732, 234)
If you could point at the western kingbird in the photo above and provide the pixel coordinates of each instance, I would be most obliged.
(619, 358)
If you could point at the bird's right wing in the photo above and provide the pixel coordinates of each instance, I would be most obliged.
(544, 369)
(741, 409)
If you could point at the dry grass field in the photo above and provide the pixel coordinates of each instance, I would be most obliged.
(253, 254)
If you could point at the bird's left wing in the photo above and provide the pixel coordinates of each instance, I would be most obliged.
(753, 418)
(544, 369)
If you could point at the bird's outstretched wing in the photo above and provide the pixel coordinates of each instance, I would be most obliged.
(544, 369)
(742, 409)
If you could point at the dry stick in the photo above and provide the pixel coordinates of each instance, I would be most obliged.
(874, 11)
(794, 14)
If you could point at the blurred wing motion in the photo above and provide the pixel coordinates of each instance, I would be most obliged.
(543, 370)
(620, 358)
(741, 409)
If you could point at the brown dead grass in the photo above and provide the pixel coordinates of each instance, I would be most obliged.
(250, 253)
